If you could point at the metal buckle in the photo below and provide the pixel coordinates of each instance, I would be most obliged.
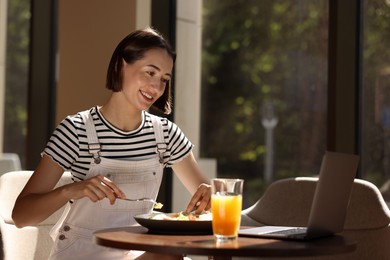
(94, 146)
(160, 149)
(96, 155)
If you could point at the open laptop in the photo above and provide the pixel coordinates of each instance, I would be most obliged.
(329, 206)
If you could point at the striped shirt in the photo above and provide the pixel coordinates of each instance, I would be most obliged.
(68, 145)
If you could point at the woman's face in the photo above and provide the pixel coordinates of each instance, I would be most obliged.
(145, 80)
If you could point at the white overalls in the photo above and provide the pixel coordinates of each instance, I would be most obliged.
(73, 233)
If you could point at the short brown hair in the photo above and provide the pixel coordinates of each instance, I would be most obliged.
(133, 48)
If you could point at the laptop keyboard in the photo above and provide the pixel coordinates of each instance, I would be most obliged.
(293, 231)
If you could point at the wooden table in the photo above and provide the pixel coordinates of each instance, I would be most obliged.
(138, 238)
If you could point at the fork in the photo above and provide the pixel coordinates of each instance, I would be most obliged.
(140, 199)
(156, 205)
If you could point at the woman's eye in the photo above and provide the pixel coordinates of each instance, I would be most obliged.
(165, 81)
(150, 73)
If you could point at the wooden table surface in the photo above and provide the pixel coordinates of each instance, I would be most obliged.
(138, 238)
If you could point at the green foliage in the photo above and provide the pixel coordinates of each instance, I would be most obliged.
(264, 51)
(256, 52)
(375, 90)
(17, 62)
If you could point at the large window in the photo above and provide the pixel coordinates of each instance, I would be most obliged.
(264, 89)
(17, 64)
(376, 91)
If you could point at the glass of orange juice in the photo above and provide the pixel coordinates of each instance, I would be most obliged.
(226, 205)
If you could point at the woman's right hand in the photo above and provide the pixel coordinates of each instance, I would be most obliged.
(39, 198)
(95, 188)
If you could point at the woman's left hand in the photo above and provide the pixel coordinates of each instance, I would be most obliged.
(201, 200)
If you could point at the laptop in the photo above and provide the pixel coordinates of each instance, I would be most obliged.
(329, 206)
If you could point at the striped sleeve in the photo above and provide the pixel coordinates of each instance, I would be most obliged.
(179, 146)
(63, 145)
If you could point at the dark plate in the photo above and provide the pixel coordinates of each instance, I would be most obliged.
(182, 227)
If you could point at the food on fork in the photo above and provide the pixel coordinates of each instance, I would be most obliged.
(158, 205)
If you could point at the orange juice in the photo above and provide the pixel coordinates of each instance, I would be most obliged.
(226, 211)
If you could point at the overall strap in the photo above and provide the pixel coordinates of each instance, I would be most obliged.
(93, 142)
(159, 134)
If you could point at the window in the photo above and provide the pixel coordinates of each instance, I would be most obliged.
(16, 84)
(375, 110)
(264, 89)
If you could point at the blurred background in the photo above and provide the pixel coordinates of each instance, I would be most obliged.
(262, 87)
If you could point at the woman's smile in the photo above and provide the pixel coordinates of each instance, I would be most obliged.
(146, 96)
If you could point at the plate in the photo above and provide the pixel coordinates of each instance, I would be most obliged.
(182, 227)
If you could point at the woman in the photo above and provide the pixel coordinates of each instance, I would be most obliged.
(113, 151)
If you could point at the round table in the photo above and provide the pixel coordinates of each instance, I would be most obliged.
(138, 238)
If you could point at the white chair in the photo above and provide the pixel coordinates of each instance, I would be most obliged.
(9, 162)
(385, 191)
(28, 243)
(288, 202)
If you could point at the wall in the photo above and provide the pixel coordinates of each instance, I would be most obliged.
(188, 89)
(89, 30)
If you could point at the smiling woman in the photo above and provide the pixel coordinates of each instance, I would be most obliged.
(115, 151)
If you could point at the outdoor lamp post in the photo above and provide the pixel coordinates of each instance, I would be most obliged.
(269, 121)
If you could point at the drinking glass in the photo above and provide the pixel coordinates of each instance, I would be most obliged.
(226, 205)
